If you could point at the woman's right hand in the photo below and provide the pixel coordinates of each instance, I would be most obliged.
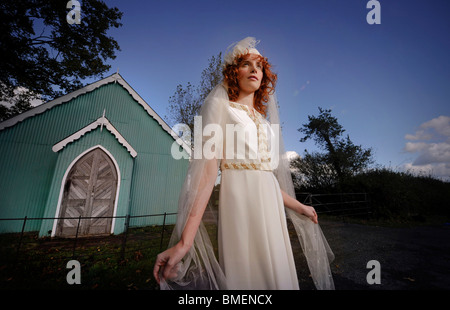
(167, 261)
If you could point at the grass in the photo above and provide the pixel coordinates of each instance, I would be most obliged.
(105, 264)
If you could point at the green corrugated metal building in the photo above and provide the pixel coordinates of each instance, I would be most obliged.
(100, 151)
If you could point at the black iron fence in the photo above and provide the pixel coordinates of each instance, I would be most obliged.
(339, 204)
(123, 260)
(15, 246)
(136, 239)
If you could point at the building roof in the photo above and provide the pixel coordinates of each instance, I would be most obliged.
(114, 78)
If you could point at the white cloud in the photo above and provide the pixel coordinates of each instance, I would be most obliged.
(34, 103)
(433, 154)
(420, 135)
(413, 147)
(291, 155)
(441, 171)
(440, 124)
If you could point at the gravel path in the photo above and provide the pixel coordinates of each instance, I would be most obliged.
(415, 258)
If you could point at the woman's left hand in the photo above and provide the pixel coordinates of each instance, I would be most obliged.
(298, 207)
(309, 212)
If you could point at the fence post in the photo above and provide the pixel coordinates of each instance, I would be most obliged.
(21, 236)
(125, 235)
(76, 237)
(367, 204)
(341, 206)
(162, 233)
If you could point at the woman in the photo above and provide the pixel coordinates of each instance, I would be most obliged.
(254, 246)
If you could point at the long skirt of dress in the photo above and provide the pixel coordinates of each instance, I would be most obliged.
(254, 246)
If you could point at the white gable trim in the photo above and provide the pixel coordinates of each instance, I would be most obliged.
(114, 78)
(103, 122)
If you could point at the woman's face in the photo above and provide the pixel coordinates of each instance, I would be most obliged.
(250, 74)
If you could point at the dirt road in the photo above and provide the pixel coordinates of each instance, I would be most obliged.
(413, 258)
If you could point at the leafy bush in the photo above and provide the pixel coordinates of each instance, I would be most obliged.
(397, 195)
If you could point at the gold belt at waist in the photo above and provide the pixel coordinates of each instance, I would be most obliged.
(246, 166)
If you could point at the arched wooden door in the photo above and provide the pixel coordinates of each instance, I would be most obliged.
(89, 191)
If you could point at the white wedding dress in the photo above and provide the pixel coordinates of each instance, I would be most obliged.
(253, 241)
(254, 246)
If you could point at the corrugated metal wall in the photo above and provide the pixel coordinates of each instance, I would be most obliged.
(27, 162)
(70, 154)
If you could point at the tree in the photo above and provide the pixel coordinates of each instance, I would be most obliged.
(341, 159)
(183, 106)
(45, 55)
(211, 76)
(187, 100)
(312, 172)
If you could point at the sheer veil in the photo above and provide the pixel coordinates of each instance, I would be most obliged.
(314, 245)
(200, 269)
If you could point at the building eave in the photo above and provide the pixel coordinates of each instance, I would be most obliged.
(114, 78)
(103, 122)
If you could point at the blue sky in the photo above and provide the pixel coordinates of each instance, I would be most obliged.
(387, 84)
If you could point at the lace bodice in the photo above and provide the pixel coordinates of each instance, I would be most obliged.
(248, 140)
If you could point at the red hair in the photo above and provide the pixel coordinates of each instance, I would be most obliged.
(230, 74)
